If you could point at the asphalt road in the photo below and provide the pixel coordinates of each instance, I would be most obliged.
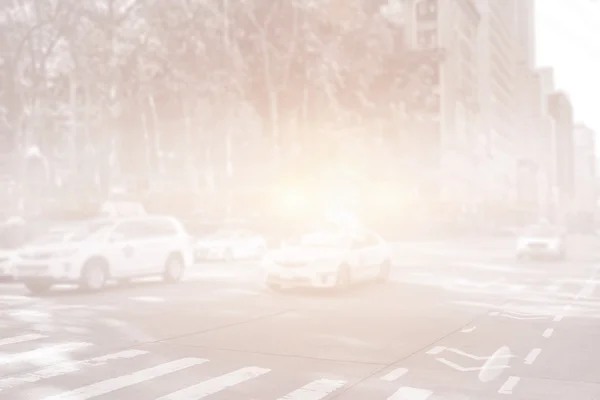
(456, 322)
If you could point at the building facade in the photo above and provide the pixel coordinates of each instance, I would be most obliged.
(585, 174)
(560, 110)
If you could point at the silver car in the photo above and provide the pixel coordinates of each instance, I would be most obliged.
(542, 241)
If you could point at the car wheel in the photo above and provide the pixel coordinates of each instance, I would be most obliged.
(93, 276)
(384, 271)
(174, 269)
(37, 287)
(343, 277)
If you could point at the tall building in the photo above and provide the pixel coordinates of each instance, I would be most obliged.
(498, 87)
(561, 111)
(585, 173)
(525, 32)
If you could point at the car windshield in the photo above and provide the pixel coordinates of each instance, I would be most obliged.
(320, 239)
(541, 230)
(224, 234)
(68, 235)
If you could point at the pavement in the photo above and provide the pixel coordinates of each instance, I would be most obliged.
(455, 322)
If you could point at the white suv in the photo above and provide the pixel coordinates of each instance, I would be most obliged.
(122, 249)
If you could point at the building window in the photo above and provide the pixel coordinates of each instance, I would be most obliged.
(427, 38)
(426, 10)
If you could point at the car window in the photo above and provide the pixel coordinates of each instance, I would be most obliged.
(131, 230)
(225, 234)
(161, 228)
(246, 234)
(321, 239)
(372, 240)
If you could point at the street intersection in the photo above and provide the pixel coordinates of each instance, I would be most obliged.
(471, 323)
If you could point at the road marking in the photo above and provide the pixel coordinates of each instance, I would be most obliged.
(110, 385)
(148, 299)
(470, 369)
(509, 385)
(533, 354)
(472, 356)
(548, 332)
(468, 330)
(410, 393)
(21, 339)
(588, 288)
(48, 354)
(436, 350)
(552, 288)
(215, 385)
(315, 390)
(558, 318)
(65, 368)
(394, 374)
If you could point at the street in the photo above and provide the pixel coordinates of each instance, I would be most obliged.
(454, 322)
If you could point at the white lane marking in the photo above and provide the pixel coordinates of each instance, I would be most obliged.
(315, 390)
(394, 374)
(501, 354)
(48, 354)
(148, 299)
(471, 369)
(552, 288)
(509, 385)
(65, 368)
(21, 339)
(468, 330)
(409, 393)
(436, 350)
(533, 354)
(548, 332)
(215, 385)
(110, 385)
(558, 318)
(588, 288)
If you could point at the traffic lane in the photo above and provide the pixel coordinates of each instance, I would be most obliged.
(391, 326)
(479, 361)
(564, 363)
(577, 245)
(220, 371)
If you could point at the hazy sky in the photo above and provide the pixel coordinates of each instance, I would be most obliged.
(568, 39)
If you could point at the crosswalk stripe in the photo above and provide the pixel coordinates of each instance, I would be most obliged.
(110, 385)
(65, 368)
(21, 339)
(48, 354)
(315, 390)
(215, 385)
(410, 393)
(394, 374)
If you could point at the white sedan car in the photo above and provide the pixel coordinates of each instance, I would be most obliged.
(230, 245)
(120, 250)
(329, 259)
(542, 241)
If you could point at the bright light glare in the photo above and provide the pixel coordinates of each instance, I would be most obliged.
(343, 218)
(293, 200)
(385, 198)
